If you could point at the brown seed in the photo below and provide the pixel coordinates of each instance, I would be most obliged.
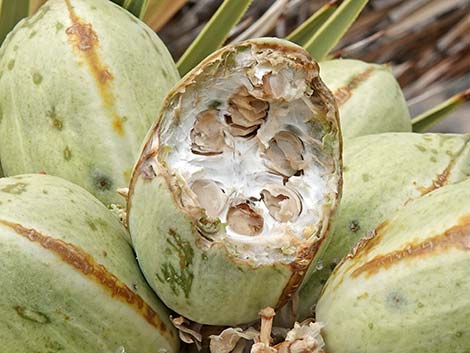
(243, 219)
(282, 203)
(210, 196)
(246, 113)
(284, 153)
(207, 134)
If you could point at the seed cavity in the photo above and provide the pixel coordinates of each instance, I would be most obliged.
(284, 154)
(244, 219)
(246, 113)
(210, 196)
(207, 135)
(283, 204)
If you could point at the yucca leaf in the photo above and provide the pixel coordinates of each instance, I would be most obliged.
(158, 12)
(10, 13)
(306, 30)
(134, 6)
(214, 34)
(331, 32)
(426, 120)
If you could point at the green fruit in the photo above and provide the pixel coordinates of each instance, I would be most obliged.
(81, 83)
(235, 187)
(381, 174)
(369, 98)
(406, 290)
(69, 279)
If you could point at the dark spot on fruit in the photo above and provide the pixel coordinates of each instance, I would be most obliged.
(354, 226)
(102, 182)
(32, 34)
(31, 315)
(92, 225)
(37, 78)
(396, 300)
(67, 154)
(11, 64)
(164, 73)
(421, 148)
(433, 159)
(58, 26)
(56, 121)
(365, 177)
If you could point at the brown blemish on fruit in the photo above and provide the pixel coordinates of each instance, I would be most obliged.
(85, 40)
(86, 264)
(457, 237)
(440, 180)
(342, 94)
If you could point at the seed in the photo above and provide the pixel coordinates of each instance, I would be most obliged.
(210, 196)
(207, 135)
(282, 203)
(284, 154)
(243, 219)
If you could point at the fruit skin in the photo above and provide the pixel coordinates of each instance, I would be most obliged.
(82, 81)
(369, 97)
(406, 289)
(381, 174)
(208, 283)
(69, 278)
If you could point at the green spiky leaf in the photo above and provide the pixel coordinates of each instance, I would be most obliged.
(428, 119)
(11, 12)
(330, 33)
(213, 34)
(306, 30)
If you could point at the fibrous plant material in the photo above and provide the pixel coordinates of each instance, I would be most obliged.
(406, 289)
(81, 83)
(369, 98)
(234, 190)
(382, 173)
(69, 279)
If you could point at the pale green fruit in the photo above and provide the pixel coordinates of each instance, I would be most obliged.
(369, 97)
(381, 174)
(69, 278)
(406, 290)
(81, 82)
(234, 190)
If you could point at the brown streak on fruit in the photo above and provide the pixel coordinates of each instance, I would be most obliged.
(85, 40)
(342, 94)
(457, 237)
(439, 181)
(86, 264)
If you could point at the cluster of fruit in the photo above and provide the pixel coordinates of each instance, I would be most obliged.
(260, 177)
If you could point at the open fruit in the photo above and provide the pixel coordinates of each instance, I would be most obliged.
(236, 184)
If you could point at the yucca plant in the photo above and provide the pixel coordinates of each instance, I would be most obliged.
(369, 101)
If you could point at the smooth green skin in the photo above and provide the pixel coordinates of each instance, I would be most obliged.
(64, 310)
(381, 173)
(200, 282)
(54, 118)
(376, 103)
(419, 304)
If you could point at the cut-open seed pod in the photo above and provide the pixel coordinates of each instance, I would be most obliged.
(236, 184)
(405, 290)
